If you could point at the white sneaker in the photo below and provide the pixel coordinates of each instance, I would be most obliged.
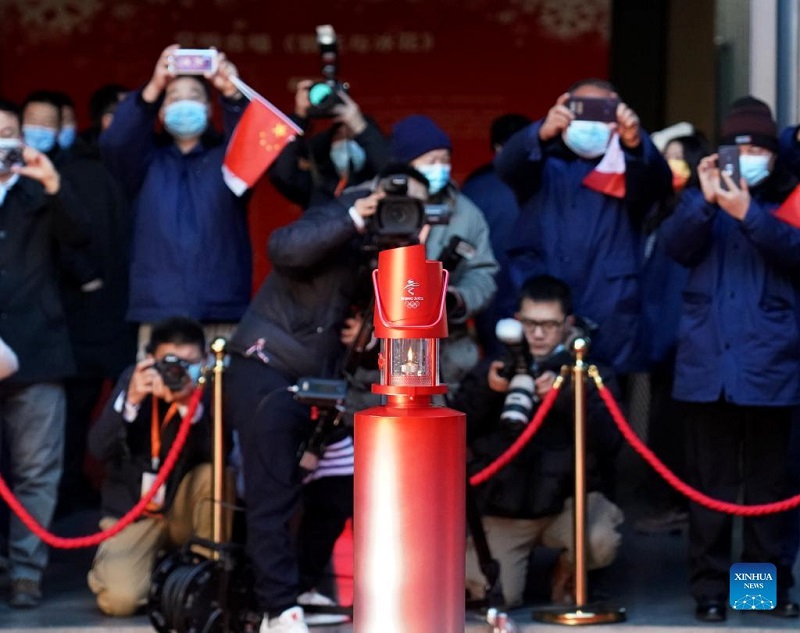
(317, 602)
(315, 598)
(290, 621)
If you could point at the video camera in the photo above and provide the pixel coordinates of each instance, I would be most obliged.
(324, 95)
(399, 217)
(522, 372)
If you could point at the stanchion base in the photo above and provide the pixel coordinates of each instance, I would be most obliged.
(580, 615)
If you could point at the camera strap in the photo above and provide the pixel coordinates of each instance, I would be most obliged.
(155, 431)
(341, 185)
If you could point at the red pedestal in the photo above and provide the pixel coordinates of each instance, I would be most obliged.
(409, 529)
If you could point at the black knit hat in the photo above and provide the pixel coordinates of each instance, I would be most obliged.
(750, 121)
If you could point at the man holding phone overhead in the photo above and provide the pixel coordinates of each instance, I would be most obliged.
(191, 251)
(585, 176)
(737, 370)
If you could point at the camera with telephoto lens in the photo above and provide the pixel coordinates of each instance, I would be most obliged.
(174, 372)
(324, 95)
(521, 371)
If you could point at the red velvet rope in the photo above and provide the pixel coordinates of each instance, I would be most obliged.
(695, 495)
(91, 540)
(512, 451)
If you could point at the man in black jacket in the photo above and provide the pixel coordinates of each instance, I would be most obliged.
(94, 290)
(292, 329)
(529, 502)
(37, 215)
(132, 437)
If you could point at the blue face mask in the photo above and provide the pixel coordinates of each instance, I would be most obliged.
(186, 118)
(346, 152)
(66, 136)
(754, 169)
(588, 139)
(438, 176)
(39, 137)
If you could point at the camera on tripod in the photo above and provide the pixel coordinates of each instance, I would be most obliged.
(522, 373)
(399, 217)
(324, 95)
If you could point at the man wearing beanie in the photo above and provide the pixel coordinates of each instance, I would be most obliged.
(573, 230)
(738, 362)
(420, 142)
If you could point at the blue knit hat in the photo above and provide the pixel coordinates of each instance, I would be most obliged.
(417, 135)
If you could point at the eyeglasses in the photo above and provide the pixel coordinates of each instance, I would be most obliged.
(548, 327)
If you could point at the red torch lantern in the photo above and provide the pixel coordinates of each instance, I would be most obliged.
(409, 524)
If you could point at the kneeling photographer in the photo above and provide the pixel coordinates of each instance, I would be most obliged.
(528, 503)
(132, 438)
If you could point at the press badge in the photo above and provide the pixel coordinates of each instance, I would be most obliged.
(157, 502)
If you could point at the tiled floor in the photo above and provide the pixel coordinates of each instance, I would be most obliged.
(648, 579)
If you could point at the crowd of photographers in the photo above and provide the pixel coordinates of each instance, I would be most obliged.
(671, 259)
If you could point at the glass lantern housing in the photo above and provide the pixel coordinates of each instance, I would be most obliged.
(410, 362)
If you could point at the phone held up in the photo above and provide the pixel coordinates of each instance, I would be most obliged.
(193, 61)
(594, 108)
(728, 162)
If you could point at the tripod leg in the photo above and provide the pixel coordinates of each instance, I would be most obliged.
(490, 567)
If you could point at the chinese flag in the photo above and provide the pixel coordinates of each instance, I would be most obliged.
(789, 211)
(262, 132)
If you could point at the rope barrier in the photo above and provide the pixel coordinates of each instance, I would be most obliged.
(530, 430)
(695, 495)
(134, 513)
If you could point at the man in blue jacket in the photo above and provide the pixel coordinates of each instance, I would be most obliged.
(738, 359)
(191, 251)
(574, 230)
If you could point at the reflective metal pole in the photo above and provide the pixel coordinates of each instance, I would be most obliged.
(582, 612)
(218, 463)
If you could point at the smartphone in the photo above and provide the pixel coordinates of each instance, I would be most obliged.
(193, 61)
(594, 108)
(728, 163)
(10, 154)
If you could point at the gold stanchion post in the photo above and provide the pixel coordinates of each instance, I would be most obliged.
(582, 612)
(218, 458)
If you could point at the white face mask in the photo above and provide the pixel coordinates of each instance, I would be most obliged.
(438, 175)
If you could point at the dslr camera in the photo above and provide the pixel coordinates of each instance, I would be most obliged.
(399, 217)
(324, 95)
(174, 372)
(521, 371)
